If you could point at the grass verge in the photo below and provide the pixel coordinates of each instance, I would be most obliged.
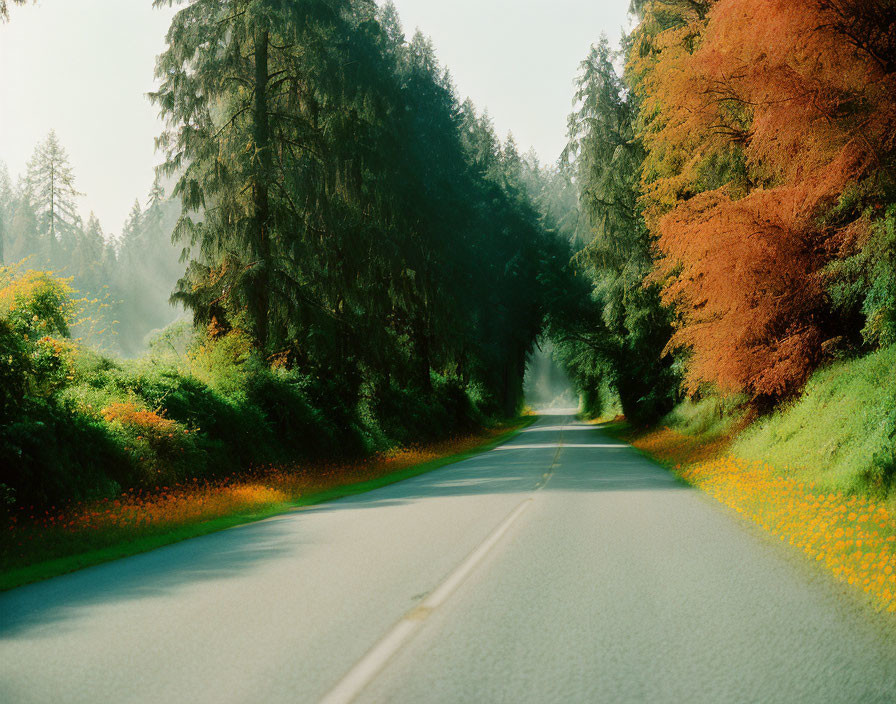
(89, 534)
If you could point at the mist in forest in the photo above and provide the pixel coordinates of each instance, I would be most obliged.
(119, 280)
(546, 384)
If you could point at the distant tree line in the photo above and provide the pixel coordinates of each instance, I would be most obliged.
(127, 278)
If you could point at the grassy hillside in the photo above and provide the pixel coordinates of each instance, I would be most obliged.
(841, 432)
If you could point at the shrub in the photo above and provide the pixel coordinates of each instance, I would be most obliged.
(15, 367)
(164, 450)
(53, 454)
(405, 416)
(295, 424)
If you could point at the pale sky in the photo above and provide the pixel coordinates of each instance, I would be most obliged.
(82, 67)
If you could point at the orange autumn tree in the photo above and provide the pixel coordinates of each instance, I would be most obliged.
(770, 127)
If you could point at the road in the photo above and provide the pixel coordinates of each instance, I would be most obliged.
(561, 567)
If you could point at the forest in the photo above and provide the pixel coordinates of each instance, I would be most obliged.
(361, 263)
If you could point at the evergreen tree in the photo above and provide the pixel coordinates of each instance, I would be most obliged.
(144, 271)
(51, 186)
(23, 238)
(7, 208)
(605, 158)
(250, 158)
(89, 255)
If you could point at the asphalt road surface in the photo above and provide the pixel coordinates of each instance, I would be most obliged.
(560, 567)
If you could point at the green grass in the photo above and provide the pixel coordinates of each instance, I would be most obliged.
(841, 432)
(710, 417)
(50, 568)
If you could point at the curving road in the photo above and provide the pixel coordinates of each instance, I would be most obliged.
(561, 567)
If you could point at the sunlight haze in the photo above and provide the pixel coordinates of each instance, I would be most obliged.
(83, 67)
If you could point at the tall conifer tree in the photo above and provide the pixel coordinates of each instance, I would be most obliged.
(51, 185)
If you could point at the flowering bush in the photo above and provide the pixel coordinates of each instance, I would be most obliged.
(35, 303)
(164, 449)
(35, 310)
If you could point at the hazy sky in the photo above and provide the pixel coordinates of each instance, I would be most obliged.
(82, 67)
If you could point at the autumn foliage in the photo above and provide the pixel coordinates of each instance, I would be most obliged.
(770, 129)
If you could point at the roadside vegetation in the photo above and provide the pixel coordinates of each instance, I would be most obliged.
(80, 425)
(838, 435)
(42, 544)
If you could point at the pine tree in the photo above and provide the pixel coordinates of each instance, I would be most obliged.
(605, 158)
(51, 185)
(131, 231)
(90, 253)
(23, 239)
(249, 154)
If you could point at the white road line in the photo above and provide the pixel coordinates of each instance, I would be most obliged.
(368, 666)
(594, 444)
(544, 446)
(546, 477)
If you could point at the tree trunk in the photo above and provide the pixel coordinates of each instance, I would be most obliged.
(421, 343)
(262, 135)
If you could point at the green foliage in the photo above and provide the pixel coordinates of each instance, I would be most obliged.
(53, 453)
(600, 401)
(709, 415)
(618, 331)
(35, 304)
(77, 424)
(343, 212)
(841, 432)
(15, 367)
(865, 283)
(295, 423)
(402, 416)
(35, 312)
